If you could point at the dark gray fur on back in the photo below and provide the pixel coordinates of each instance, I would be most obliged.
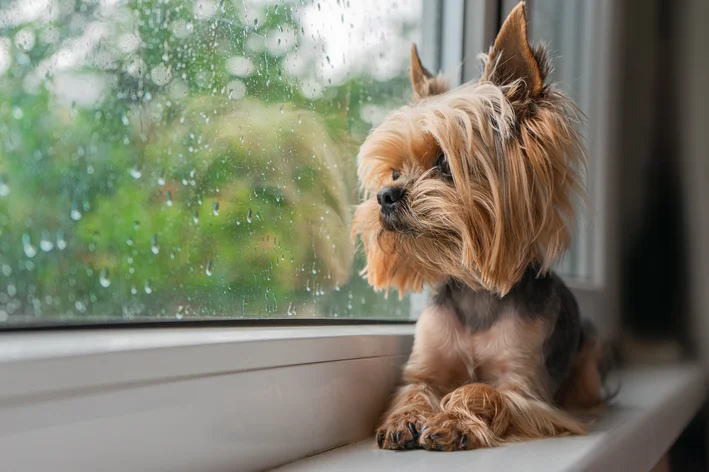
(533, 297)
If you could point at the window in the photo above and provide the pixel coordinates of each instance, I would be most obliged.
(180, 159)
(568, 28)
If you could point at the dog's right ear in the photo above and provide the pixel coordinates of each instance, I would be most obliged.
(423, 82)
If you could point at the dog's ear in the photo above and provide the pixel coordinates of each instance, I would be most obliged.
(511, 58)
(423, 82)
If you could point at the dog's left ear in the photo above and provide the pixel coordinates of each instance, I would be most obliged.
(511, 58)
(423, 82)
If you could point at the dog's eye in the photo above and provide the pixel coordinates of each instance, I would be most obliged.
(442, 165)
(395, 174)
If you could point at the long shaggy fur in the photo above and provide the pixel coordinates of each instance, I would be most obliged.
(500, 214)
(472, 191)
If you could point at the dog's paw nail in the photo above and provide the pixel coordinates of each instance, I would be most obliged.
(380, 439)
(412, 429)
(463, 442)
(394, 437)
(423, 428)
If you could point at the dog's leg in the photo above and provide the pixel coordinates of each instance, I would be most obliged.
(412, 406)
(472, 416)
(479, 415)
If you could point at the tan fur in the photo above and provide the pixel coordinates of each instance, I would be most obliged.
(499, 216)
(512, 57)
(423, 82)
(489, 383)
(514, 157)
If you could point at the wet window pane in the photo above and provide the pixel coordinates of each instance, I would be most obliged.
(181, 159)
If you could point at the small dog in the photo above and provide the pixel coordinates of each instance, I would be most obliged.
(470, 191)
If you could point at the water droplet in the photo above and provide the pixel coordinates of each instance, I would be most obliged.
(237, 221)
(75, 212)
(168, 199)
(148, 288)
(249, 216)
(136, 225)
(172, 254)
(124, 118)
(17, 112)
(133, 290)
(129, 241)
(46, 244)
(104, 278)
(291, 309)
(209, 268)
(61, 242)
(195, 217)
(215, 208)
(307, 286)
(4, 187)
(30, 250)
(161, 179)
(136, 172)
(154, 246)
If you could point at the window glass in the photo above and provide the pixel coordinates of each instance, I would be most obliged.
(566, 26)
(176, 159)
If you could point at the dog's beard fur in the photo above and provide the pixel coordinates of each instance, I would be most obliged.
(515, 160)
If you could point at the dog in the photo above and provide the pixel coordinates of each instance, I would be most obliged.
(471, 191)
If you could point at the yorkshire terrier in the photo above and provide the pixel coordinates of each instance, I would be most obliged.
(471, 191)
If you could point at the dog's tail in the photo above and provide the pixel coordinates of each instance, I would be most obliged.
(586, 386)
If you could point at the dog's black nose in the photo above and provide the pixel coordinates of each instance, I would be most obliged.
(387, 198)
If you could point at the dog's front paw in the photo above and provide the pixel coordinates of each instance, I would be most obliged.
(400, 430)
(445, 432)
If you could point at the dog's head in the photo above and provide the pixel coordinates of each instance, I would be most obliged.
(474, 183)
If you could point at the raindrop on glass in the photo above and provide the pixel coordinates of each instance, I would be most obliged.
(154, 246)
(61, 242)
(168, 199)
(4, 187)
(75, 212)
(46, 244)
(249, 216)
(104, 278)
(148, 288)
(133, 290)
(136, 225)
(161, 179)
(209, 268)
(136, 171)
(195, 217)
(291, 309)
(215, 208)
(30, 250)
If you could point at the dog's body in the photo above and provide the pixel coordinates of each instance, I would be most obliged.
(471, 191)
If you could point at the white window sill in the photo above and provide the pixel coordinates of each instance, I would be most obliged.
(187, 399)
(241, 399)
(653, 407)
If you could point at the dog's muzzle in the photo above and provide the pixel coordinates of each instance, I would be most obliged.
(390, 199)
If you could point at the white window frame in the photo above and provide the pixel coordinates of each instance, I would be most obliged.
(184, 398)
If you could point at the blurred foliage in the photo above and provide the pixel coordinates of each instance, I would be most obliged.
(176, 169)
